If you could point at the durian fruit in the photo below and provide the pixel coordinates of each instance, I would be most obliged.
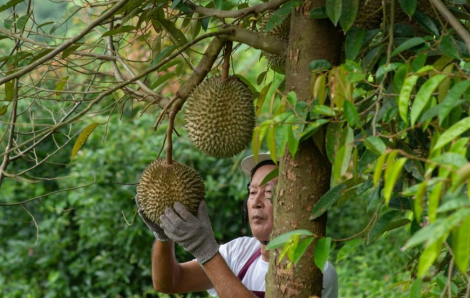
(220, 116)
(281, 31)
(369, 14)
(162, 185)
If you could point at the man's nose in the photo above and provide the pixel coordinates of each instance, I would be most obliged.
(258, 200)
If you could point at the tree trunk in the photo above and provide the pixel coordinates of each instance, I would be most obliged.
(304, 179)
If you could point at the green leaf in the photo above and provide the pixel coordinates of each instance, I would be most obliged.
(392, 179)
(440, 228)
(408, 44)
(322, 251)
(387, 68)
(423, 96)
(68, 51)
(449, 158)
(70, 12)
(405, 95)
(311, 128)
(408, 6)
(318, 13)
(384, 220)
(428, 256)
(176, 35)
(379, 168)
(262, 98)
(60, 85)
(281, 14)
(163, 54)
(425, 22)
(3, 110)
(273, 174)
(82, 139)
(271, 144)
(353, 42)
(121, 29)
(333, 135)
(22, 21)
(282, 239)
(327, 200)
(348, 14)
(319, 65)
(9, 4)
(350, 113)
(415, 289)
(448, 47)
(452, 133)
(449, 102)
(375, 144)
(347, 248)
(301, 248)
(333, 10)
(10, 90)
(323, 110)
(461, 245)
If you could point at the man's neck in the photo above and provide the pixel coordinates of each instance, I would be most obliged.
(264, 253)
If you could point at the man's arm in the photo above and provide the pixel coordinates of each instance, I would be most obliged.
(171, 277)
(196, 236)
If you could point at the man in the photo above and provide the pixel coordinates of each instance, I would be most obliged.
(235, 269)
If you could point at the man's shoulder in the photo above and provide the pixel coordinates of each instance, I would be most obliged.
(243, 242)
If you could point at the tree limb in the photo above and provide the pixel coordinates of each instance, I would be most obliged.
(258, 40)
(235, 13)
(66, 44)
(453, 21)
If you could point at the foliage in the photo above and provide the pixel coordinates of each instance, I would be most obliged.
(392, 119)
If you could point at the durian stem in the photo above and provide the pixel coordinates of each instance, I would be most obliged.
(169, 132)
(226, 65)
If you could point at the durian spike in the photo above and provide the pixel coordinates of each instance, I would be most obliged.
(226, 65)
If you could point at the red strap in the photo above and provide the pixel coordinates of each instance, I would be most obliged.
(242, 272)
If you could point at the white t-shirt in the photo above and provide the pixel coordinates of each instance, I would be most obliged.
(237, 252)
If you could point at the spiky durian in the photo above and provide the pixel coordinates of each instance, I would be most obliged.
(220, 116)
(281, 31)
(162, 185)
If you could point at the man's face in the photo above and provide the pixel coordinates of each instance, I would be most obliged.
(260, 208)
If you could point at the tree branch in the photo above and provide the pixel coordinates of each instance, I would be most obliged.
(235, 13)
(453, 21)
(258, 40)
(65, 45)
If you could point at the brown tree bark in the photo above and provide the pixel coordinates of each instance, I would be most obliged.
(305, 178)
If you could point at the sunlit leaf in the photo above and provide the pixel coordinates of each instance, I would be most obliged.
(301, 248)
(282, 239)
(375, 144)
(423, 96)
(392, 179)
(428, 256)
(60, 85)
(82, 139)
(405, 95)
(461, 245)
(273, 174)
(452, 132)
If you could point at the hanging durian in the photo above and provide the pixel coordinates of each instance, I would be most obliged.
(220, 116)
(162, 185)
(282, 32)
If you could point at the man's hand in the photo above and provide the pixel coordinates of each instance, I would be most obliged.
(194, 234)
(156, 230)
